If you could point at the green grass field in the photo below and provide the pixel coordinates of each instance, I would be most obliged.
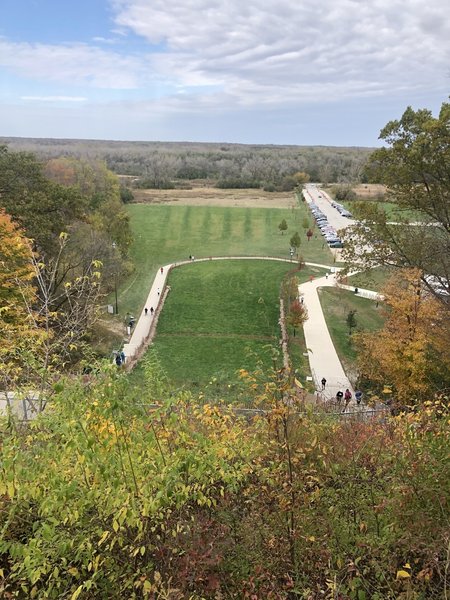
(164, 234)
(375, 279)
(219, 317)
(392, 210)
(336, 304)
(223, 316)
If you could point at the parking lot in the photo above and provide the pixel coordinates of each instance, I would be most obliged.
(330, 216)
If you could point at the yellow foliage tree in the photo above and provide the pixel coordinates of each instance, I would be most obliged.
(408, 355)
(16, 296)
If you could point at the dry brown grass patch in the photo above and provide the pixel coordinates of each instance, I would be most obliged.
(209, 196)
(369, 190)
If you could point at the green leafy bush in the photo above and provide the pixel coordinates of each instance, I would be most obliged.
(107, 496)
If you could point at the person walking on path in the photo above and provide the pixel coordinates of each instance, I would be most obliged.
(162, 270)
(323, 382)
(339, 396)
(347, 397)
(358, 397)
(146, 311)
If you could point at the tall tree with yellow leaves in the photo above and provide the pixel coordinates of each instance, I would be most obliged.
(43, 324)
(16, 299)
(408, 355)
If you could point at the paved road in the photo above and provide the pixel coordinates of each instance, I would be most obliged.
(315, 194)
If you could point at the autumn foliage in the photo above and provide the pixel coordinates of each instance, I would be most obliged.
(17, 296)
(409, 356)
(104, 497)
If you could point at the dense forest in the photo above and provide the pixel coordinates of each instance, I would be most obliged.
(159, 163)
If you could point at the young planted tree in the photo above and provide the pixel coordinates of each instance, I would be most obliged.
(295, 241)
(289, 290)
(283, 226)
(351, 321)
(298, 314)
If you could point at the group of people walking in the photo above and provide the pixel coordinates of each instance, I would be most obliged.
(346, 396)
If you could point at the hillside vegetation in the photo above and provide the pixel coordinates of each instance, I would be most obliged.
(102, 498)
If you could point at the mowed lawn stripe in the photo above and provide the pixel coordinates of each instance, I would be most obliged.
(219, 336)
(239, 297)
(164, 234)
(226, 224)
(206, 225)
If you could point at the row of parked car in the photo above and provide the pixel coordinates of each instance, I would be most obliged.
(342, 210)
(329, 232)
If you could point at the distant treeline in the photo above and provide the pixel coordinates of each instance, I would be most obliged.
(160, 164)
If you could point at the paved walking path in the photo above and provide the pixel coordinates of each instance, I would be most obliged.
(144, 324)
(323, 358)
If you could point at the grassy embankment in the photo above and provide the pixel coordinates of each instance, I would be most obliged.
(336, 304)
(220, 317)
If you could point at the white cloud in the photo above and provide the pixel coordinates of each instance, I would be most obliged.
(75, 64)
(285, 50)
(216, 56)
(54, 98)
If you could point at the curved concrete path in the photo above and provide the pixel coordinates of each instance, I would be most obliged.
(144, 323)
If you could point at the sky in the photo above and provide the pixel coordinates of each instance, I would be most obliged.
(303, 72)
